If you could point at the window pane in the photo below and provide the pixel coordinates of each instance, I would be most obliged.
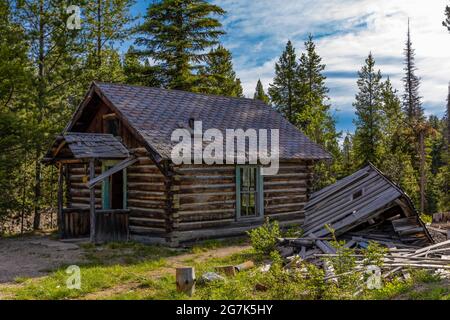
(248, 191)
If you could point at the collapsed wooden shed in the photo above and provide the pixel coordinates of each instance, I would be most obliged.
(117, 180)
(365, 205)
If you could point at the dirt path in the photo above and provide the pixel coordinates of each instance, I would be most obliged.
(35, 256)
(172, 263)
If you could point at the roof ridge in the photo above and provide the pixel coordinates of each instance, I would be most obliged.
(255, 101)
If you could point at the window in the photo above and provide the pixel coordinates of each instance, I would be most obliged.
(113, 127)
(111, 124)
(249, 192)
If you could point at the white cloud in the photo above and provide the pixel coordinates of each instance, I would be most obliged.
(347, 30)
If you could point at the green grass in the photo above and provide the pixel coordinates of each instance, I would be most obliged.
(422, 285)
(134, 271)
(216, 244)
(106, 266)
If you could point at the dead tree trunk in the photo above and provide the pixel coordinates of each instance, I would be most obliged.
(422, 170)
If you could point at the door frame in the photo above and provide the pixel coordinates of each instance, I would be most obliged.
(106, 187)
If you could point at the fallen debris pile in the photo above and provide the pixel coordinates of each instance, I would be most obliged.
(362, 208)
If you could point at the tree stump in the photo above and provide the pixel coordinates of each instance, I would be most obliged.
(185, 278)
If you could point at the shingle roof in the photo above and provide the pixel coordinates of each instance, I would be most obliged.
(95, 145)
(155, 113)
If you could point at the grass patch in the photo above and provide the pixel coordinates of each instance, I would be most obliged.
(423, 285)
(216, 244)
(106, 266)
(132, 271)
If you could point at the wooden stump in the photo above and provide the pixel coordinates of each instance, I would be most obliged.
(185, 278)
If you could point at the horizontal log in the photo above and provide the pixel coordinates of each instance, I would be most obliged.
(207, 194)
(145, 210)
(147, 213)
(150, 204)
(208, 177)
(135, 230)
(203, 205)
(184, 213)
(207, 188)
(83, 192)
(211, 181)
(146, 186)
(147, 222)
(193, 199)
(132, 193)
(205, 216)
(286, 205)
(229, 231)
(184, 226)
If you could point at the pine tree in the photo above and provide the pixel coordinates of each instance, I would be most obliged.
(105, 23)
(314, 116)
(347, 159)
(217, 76)
(54, 54)
(411, 99)
(394, 159)
(394, 120)
(368, 111)
(282, 90)
(176, 34)
(260, 94)
(446, 22)
(14, 84)
(415, 117)
(440, 182)
(138, 72)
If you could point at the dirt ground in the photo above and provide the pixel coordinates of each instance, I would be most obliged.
(35, 256)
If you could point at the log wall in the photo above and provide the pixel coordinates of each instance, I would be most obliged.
(78, 194)
(146, 198)
(205, 199)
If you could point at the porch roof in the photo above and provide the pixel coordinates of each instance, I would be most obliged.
(75, 145)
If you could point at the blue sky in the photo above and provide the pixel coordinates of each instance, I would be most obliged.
(345, 32)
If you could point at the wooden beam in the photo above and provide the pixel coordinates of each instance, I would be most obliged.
(109, 116)
(92, 202)
(60, 201)
(118, 167)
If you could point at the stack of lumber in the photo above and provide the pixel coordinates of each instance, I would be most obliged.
(434, 257)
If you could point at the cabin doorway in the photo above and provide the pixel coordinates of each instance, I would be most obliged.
(114, 191)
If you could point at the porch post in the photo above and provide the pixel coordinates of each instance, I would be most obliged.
(60, 201)
(92, 201)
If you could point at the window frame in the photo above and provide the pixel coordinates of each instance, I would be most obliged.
(361, 190)
(259, 194)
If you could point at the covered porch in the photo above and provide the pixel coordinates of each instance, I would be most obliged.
(92, 186)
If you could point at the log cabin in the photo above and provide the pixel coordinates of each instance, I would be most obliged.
(117, 180)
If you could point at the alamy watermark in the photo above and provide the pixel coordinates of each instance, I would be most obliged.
(373, 277)
(193, 146)
(73, 282)
(74, 20)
